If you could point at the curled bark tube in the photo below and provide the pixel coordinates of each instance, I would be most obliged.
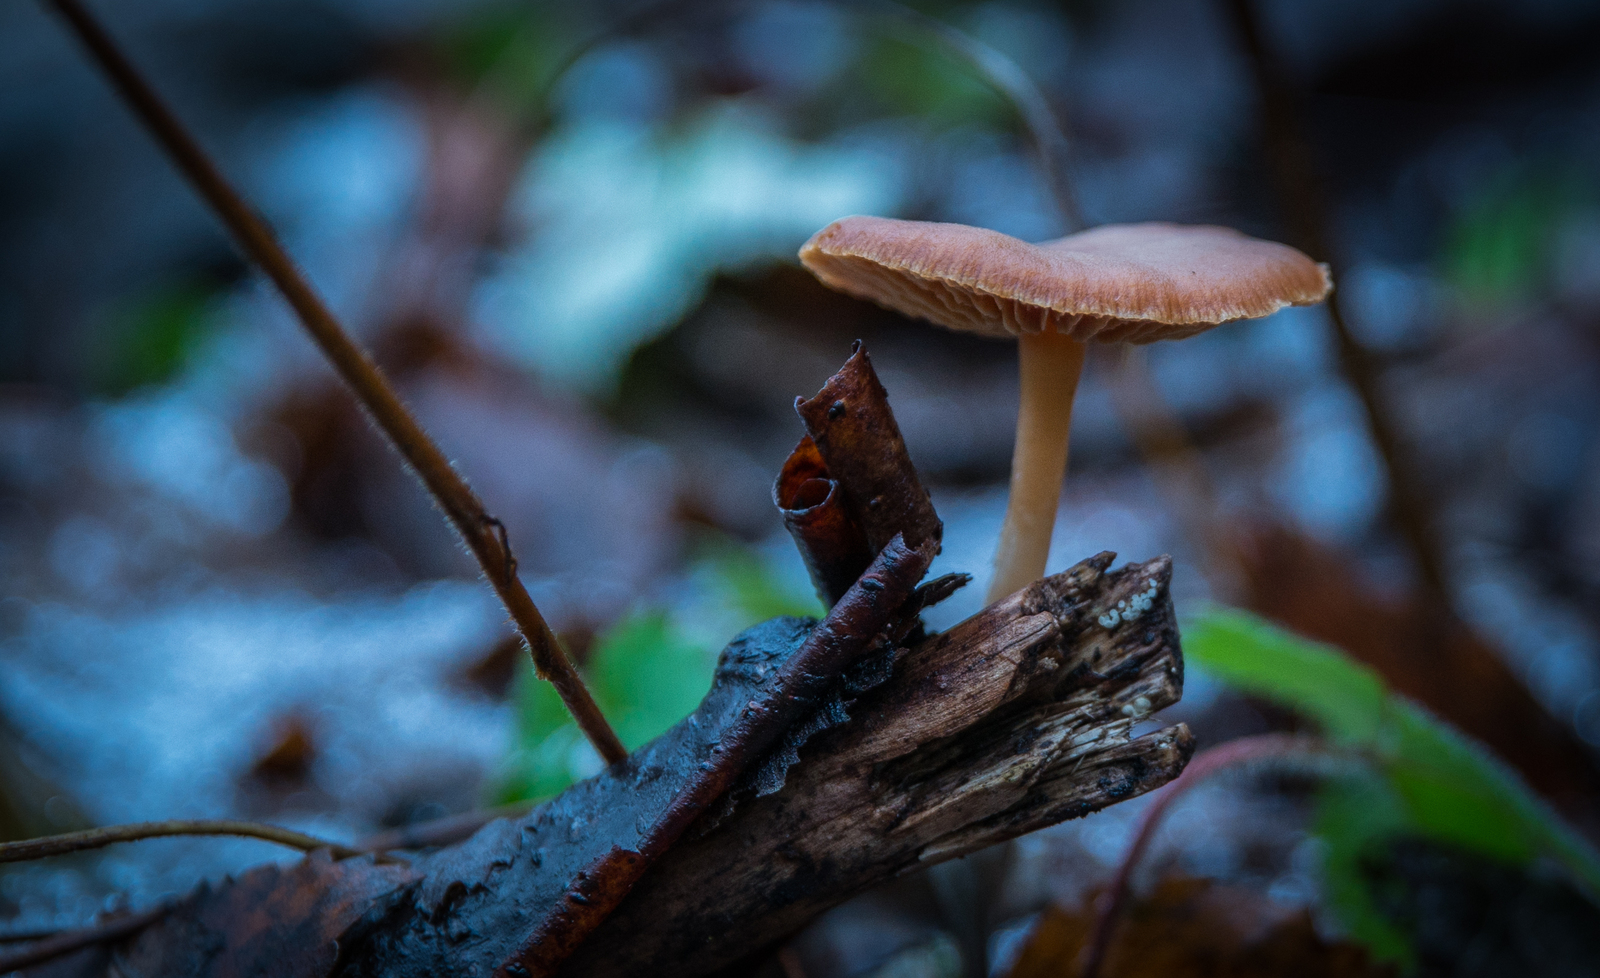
(830, 542)
(855, 434)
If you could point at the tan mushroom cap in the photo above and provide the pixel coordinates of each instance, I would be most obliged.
(1130, 283)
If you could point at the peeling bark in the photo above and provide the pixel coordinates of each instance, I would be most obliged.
(1018, 718)
(830, 542)
(1021, 717)
(827, 757)
(855, 433)
(519, 896)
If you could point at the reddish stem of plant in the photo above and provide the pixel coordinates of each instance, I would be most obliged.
(1204, 765)
(484, 534)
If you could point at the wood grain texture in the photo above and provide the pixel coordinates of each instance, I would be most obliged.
(1020, 717)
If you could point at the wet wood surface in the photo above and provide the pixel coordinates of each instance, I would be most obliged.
(827, 757)
(1021, 717)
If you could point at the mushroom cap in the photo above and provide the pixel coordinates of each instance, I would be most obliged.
(1131, 283)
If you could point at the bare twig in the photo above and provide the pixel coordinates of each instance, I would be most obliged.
(1245, 750)
(60, 845)
(1304, 205)
(35, 934)
(483, 533)
(65, 942)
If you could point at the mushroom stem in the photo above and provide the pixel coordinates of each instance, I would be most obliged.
(1051, 366)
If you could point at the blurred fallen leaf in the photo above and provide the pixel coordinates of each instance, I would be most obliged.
(289, 760)
(493, 671)
(1193, 927)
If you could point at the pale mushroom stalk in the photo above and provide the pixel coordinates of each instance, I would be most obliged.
(1051, 365)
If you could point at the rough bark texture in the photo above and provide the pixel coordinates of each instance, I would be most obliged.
(520, 895)
(1020, 717)
(826, 758)
(516, 899)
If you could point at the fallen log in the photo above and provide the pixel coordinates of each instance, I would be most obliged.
(828, 756)
(1021, 717)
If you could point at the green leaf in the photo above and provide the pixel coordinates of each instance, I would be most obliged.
(647, 676)
(750, 588)
(511, 52)
(647, 671)
(1345, 698)
(1353, 812)
(1499, 247)
(1442, 784)
(148, 338)
(925, 83)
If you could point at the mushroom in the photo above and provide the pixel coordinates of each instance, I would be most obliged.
(1129, 283)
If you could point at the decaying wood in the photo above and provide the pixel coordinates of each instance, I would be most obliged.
(520, 895)
(1021, 717)
(517, 900)
(828, 756)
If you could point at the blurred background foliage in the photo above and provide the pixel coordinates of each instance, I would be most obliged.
(1412, 774)
(568, 232)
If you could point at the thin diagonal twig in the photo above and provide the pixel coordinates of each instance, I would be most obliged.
(65, 942)
(440, 831)
(1245, 750)
(449, 490)
(60, 845)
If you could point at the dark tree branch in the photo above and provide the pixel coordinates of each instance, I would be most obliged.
(1020, 717)
(64, 943)
(1303, 201)
(484, 534)
(521, 906)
